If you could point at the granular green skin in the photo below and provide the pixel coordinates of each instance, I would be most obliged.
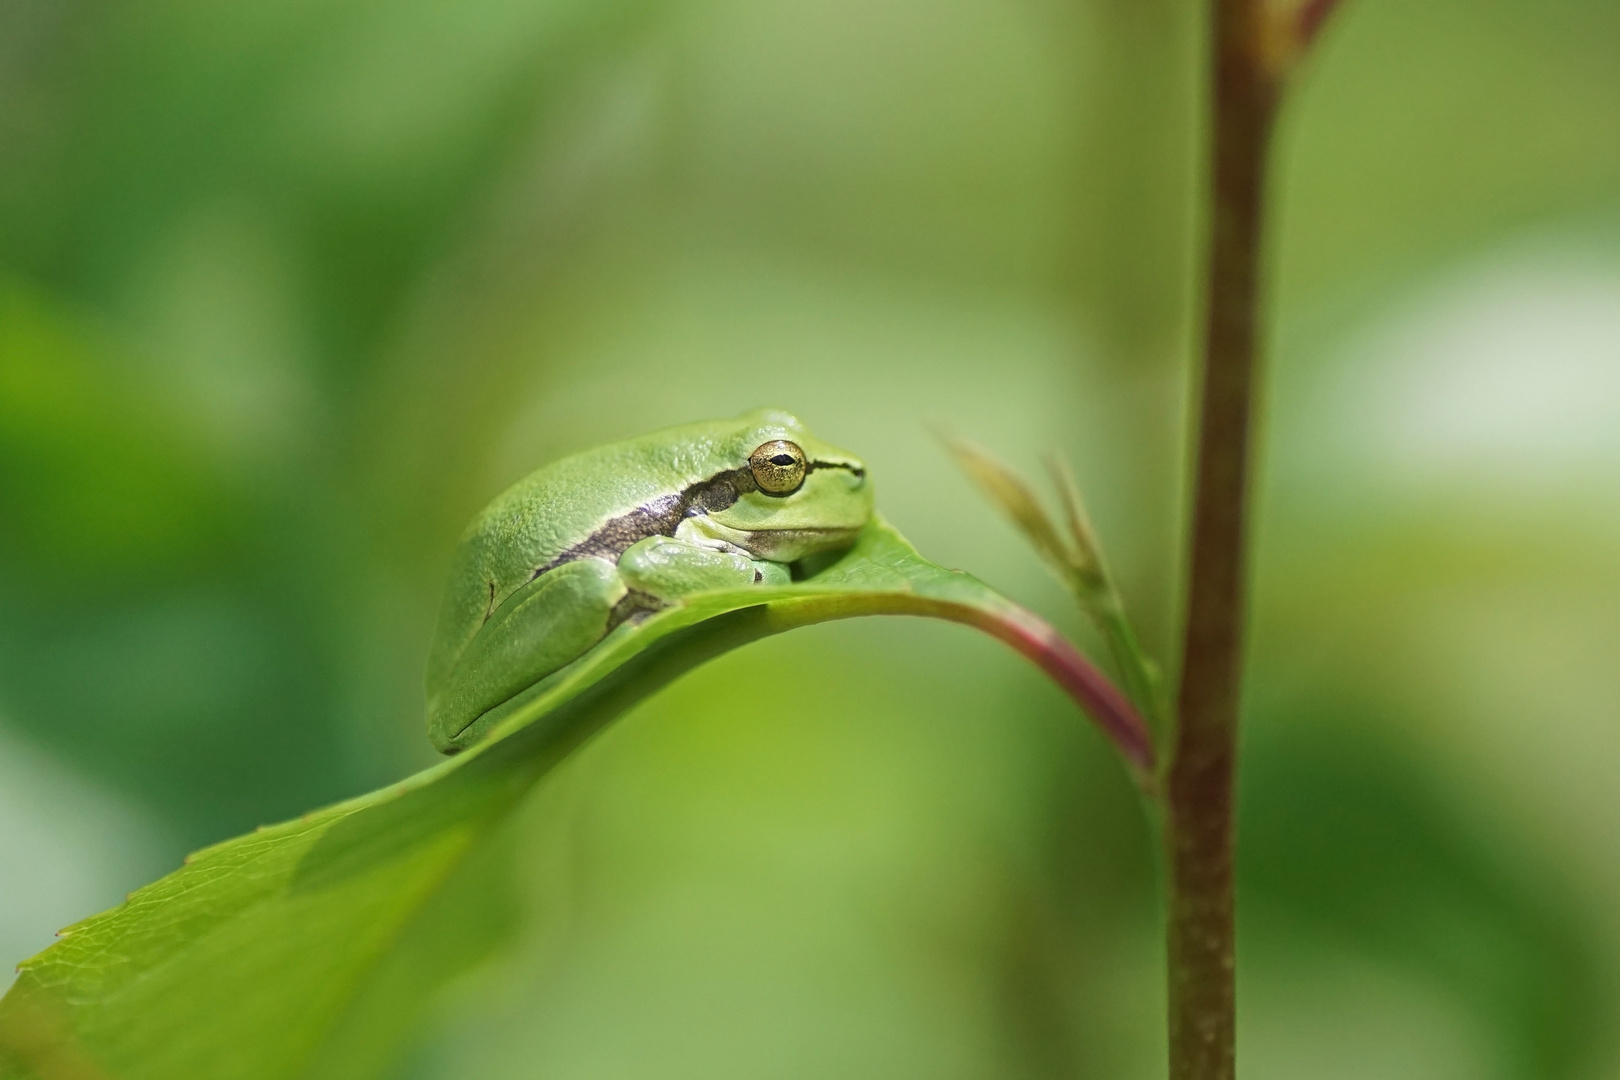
(560, 558)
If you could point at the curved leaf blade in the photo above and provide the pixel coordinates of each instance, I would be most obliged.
(313, 948)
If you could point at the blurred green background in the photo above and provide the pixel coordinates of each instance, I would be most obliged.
(289, 290)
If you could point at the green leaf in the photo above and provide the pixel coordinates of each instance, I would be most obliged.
(314, 948)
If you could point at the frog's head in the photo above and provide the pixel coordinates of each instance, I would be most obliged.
(791, 494)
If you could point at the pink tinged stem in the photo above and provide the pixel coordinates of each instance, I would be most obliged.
(1080, 679)
(1030, 635)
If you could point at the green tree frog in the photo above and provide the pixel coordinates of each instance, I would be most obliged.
(563, 557)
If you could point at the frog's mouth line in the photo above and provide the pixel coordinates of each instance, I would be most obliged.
(856, 469)
(809, 532)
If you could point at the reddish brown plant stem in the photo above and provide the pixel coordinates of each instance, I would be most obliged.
(1199, 830)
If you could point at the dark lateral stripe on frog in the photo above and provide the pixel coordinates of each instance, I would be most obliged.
(661, 516)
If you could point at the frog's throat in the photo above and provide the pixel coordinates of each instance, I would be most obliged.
(663, 515)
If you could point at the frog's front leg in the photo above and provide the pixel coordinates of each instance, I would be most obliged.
(538, 629)
(701, 532)
(668, 569)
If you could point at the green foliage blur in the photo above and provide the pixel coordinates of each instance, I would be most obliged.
(289, 290)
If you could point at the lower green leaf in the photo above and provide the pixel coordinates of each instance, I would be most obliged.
(313, 948)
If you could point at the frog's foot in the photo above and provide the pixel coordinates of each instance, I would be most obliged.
(668, 569)
(633, 607)
(772, 573)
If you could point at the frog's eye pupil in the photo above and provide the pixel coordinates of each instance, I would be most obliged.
(778, 467)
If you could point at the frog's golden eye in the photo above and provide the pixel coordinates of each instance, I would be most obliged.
(778, 467)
